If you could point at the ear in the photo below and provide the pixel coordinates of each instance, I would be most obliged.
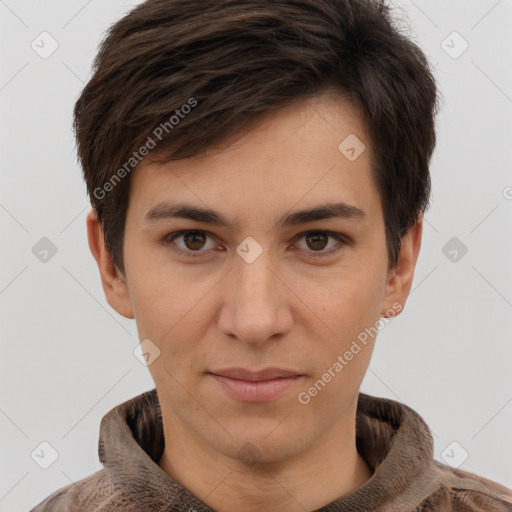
(113, 281)
(400, 279)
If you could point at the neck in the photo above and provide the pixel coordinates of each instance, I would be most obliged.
(326, 471)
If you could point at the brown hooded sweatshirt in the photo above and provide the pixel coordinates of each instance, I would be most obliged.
(393, 439)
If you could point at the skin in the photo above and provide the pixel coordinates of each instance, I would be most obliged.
(288, 308)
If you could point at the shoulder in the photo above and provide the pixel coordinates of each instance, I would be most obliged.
(82, 496)
(467, 492)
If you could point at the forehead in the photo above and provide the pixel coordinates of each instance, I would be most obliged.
(312, 151)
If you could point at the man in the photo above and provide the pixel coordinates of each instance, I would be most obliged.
(258, 173)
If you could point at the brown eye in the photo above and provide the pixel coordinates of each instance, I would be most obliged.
(320, 243)
(194, 240)
(317, 241)
(190, 242)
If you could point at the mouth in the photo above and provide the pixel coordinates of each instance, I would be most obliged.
(256, 386)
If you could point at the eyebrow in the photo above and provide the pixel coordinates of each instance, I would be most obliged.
(167, 211)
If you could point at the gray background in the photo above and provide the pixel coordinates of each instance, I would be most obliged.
(67, 357)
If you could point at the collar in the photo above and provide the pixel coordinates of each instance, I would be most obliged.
(392, 438)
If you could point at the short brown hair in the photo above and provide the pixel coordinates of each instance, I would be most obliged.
(230, 61)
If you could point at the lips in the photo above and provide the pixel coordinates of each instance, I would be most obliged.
(269, 373)
(253, 386)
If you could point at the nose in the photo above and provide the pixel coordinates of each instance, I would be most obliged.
(257, 304)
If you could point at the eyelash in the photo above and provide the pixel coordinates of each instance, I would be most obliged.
(316, 254)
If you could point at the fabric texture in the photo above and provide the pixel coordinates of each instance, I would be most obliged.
(393, 439)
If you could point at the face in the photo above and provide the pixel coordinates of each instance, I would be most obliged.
(257, 285)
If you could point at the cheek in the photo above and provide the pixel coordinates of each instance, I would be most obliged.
(349, 302)
(171, 313)
(351, 311)
(161, 299)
